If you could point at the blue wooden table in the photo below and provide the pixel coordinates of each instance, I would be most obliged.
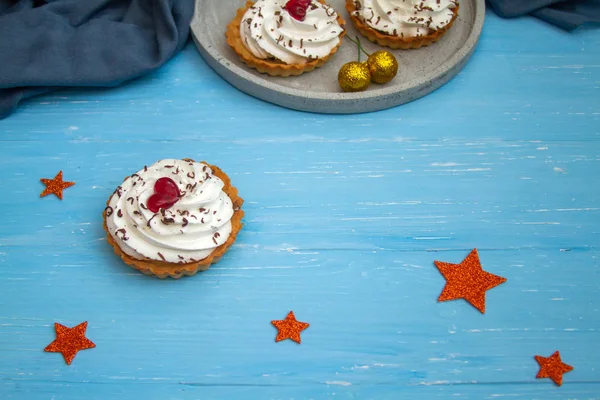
(344, 218)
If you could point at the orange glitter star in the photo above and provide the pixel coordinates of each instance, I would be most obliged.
(55, 186)
(552, 367)
(69, 341)
(468, 281)
(289, 328)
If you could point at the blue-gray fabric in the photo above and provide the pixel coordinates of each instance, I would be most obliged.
(46, 45)
(566, 14)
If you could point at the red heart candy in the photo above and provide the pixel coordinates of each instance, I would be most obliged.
(158, 201)
(166, 193)
(297, 9)
(166, 186)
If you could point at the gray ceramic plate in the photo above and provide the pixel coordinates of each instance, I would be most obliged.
(421, 71)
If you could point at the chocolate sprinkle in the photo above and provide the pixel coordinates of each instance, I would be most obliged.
(123, 232)
(150, 220)
(109, 211)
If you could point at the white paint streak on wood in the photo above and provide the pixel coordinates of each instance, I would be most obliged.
(340, 383)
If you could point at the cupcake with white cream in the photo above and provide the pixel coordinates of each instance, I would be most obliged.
(283, 38)
(173, 218)
(403, 24)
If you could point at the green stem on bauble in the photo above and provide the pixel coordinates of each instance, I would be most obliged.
(359, 45)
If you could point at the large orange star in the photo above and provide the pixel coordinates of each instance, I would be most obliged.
(289, 328)
(552, 367)
(55, 186)
(69, 341)
(467, 281)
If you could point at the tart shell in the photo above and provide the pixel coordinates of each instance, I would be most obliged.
(397, 42)
(272, 67)
(162, 269)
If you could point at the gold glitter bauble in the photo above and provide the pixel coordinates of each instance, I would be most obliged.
(383, 66)
(354, 76)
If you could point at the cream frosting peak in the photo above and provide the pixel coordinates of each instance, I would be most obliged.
(269, 31)
(186, 232)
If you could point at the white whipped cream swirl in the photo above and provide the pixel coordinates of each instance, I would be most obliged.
(269, 31)
(405, 18)
(186, 232)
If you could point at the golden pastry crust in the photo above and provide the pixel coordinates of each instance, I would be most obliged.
(272, 67)
(397, 42)
(162, 269)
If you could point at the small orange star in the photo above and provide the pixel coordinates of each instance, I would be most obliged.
(289, 328)
(55, 186)
(69, 341)
(468, 281)
(552, 367)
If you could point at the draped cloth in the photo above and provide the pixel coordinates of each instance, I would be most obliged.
(46, 45)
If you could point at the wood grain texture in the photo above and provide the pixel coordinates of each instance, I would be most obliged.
(344, 218)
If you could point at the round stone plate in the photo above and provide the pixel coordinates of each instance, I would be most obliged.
(421, 71)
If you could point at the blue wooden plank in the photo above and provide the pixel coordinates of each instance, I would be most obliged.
(344, 217)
